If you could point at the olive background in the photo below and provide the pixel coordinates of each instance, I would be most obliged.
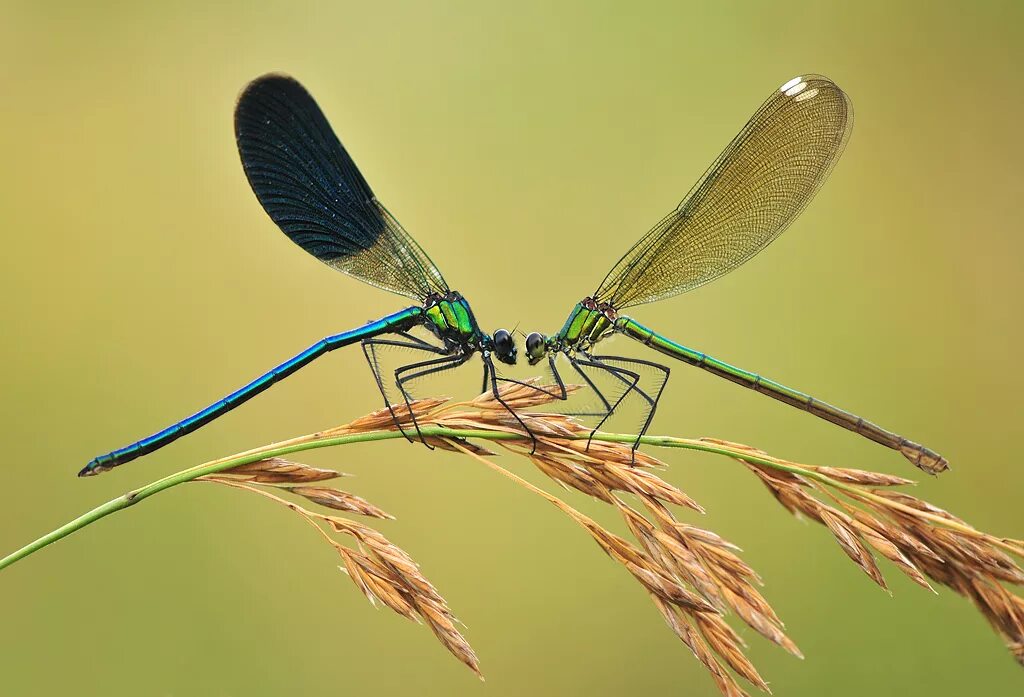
(526, 146)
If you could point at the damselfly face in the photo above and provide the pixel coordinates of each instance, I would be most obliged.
(536, 347)
(504, 346)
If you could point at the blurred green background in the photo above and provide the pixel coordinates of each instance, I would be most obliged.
(141, 280)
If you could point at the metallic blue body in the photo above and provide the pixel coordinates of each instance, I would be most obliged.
(396, 322)
(311, 188)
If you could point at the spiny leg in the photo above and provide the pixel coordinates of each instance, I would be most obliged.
(424, 368)
(489, 367)
(561, 394)
(557, 377)
(657, 397)
(417, 344)
(590, 383)
(418, 341)
(439, 367)
(369, 347)
(630, 378)
(371, 360)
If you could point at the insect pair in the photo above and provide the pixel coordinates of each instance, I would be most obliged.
(310, 187)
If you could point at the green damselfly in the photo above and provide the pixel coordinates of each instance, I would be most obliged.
(750, 194)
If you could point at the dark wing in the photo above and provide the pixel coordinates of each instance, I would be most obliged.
(311, 188)
(751, 193)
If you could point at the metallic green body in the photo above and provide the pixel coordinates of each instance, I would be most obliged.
(916, 453)
(585, 326)
(590, 322)
(450, 316)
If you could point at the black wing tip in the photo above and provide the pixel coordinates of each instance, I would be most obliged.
(268, 79)
(256, 90)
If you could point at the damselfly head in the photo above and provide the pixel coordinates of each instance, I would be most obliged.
(504, 346)
(536, 347)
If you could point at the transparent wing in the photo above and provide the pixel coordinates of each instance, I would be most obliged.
(311, 188)
(749, 195)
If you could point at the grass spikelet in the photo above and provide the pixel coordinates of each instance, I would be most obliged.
(383, 571)
(277, 470)
(927, 543)
(724, 641)
(697, 580)
(339, 500)
(861, 477)
(683, 628)
(851, 543)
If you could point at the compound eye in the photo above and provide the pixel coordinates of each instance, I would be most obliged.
(502, 342)
(535, 345)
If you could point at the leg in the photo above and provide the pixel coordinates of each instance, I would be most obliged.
(630, 378)
(657, 397)
(590, 383)
(370, 352)
(487, 377)
(489, 368)
(561, 394)
(419, 370)
(418, 341)
(557, 377)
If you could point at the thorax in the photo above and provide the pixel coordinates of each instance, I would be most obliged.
(450, 318)
(588, 323)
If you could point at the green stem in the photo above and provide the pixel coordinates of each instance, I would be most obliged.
(315, 441)
(133, 497)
